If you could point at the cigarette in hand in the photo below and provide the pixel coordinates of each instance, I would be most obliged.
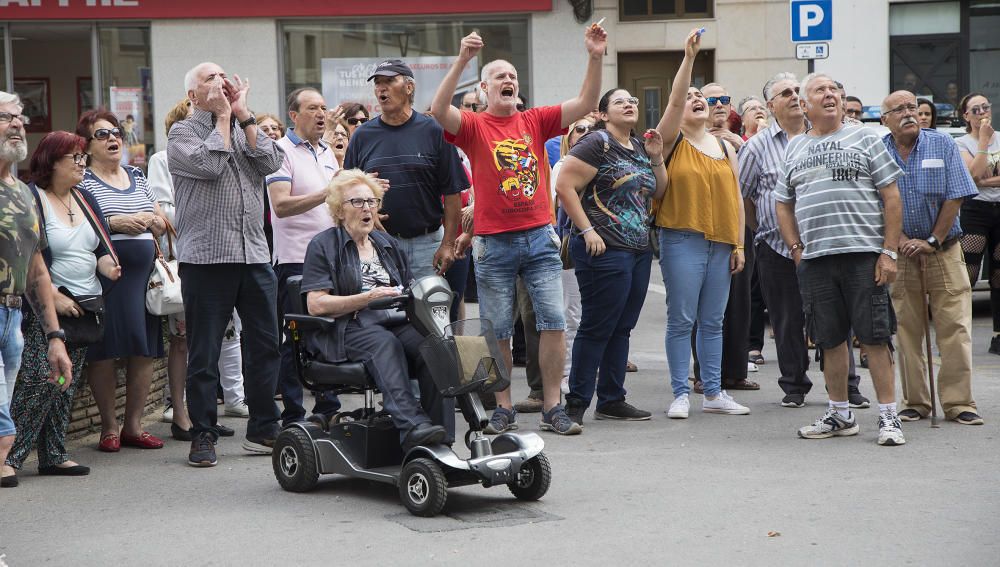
(599, 22)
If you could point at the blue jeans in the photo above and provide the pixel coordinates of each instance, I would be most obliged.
(612, 291)
(419, 251)
(696, 276)
(11, 346)
(532, 254)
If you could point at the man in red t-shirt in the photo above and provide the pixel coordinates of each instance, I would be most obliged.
(512, 216)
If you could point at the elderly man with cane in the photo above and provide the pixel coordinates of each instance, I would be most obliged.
(931, 269)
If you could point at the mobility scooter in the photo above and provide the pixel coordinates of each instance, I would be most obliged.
(464, 360)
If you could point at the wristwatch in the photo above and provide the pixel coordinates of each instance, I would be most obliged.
(797, 246)
(890, 254)
(57, 334)
(248, 121)
(934, 242)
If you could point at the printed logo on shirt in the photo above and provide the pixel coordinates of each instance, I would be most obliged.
(518, 168)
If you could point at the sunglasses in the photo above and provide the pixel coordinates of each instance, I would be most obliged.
(623, 101)
(356, 121)
(105, 133)
(359, 203)
(976, 110)
(714, 99)
(7, 118)
(854, 113)
(787, 93)
(581, 128)
(80, 159)
(471, 106)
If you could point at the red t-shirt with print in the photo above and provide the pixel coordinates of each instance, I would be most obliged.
(509, 173)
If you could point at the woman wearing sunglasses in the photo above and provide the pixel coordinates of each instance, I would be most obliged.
(130, 332)
(355, 114)
(980, 149)
(74, 255)
(701, 223)
(605, 185)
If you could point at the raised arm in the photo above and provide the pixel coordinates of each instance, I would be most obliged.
(670, 124)
(596, 40)
(447, 115)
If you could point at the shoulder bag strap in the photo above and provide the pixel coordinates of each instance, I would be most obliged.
(102, 234)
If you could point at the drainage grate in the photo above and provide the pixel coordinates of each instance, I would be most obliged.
(497, 516)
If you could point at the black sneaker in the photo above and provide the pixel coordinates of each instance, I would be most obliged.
(621, 410)
(995, 345)
(856, 400)
(794, 401)
(202, 450)
(910, 414)
(969, 418)
(575, 411)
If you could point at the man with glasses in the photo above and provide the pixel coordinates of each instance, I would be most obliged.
(297, 191)
(853, 108)
(218, 159)
(840, 215)
(22, 273)
(407, 149)
(720, 105)
(470, 101)
(935, 184)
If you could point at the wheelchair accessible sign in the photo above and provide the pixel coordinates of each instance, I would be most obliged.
(812, 27)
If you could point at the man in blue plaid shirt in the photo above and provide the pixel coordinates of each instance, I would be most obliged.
(934, 184)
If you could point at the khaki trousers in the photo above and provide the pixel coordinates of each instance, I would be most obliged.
(951, 317)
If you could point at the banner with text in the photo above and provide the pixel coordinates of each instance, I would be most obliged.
(126, 104)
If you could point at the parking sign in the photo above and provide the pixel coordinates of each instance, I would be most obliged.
(812, 20)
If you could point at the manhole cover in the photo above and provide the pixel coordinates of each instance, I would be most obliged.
(486, 517)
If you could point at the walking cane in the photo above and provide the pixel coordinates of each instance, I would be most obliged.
(935, 422)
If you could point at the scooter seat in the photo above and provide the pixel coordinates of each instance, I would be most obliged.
(343, 374)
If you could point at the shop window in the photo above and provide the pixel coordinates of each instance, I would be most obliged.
(984, 52)
(127, 88)
(337, 56)
(925, 53)
(631, 10)
(3, 59)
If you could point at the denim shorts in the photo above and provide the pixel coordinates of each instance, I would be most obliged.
(534, 256)
(11, 345)
(839, 294)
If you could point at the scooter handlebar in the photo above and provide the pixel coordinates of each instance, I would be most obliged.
(393, 302)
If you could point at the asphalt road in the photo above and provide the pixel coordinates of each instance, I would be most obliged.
(710, 490)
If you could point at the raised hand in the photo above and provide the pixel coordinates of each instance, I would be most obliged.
(217, 101)
(692, 45)
(239, 105)
(333, 116)
(596, 40)
(653, 143)
(471, 44)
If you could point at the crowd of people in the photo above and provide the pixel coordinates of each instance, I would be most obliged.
(558, 212)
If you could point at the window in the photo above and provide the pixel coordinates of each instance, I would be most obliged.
(984, 52)
(925, 52)
(127, 86)
(664, 9)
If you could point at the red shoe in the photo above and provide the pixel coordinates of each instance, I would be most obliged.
(109, 443)
(143, 441)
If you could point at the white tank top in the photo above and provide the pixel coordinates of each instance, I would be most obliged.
(74, 264)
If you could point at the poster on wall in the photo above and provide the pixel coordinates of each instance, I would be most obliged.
(345, 79)
(126, 104)
(34, 93)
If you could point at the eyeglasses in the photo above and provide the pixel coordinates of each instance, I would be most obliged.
(7, 118)
(470, 105)
(80, 159)
(337, 134)
(753, 108)
(975, 110)
(623, 101)
(857, 113)
(582, 128)
(714, 99)
(901, 108)
(105, 133)
(359, 203)
(786, 93)
(356, 121)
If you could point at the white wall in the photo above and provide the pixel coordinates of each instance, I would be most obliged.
(558, 57)
(859, 52)
(244, 47)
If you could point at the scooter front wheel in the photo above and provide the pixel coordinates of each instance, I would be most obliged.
(533, 478)
(294, 461)
(422, 487)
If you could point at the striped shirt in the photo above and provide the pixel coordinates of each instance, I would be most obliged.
(136, 198)
(934, 173)
(761, 159)
(219, 191)
(833, 180)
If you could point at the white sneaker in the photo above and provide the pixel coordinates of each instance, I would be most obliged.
(239, 409)
(680, 407)
(168, 414)
(752, 367)
(724, 403)
(564, 385)
(890, 431)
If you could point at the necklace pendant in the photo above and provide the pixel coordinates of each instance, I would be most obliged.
(71, 215)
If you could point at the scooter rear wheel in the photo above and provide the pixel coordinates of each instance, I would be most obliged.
(422, 487)
(294, 461)
(533, 478)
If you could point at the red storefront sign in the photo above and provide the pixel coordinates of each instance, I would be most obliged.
(189, 9)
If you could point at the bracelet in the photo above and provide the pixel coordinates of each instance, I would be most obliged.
(586, 230)
(656, 164)
(983, 152)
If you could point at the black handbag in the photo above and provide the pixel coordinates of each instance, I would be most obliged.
(88, 328)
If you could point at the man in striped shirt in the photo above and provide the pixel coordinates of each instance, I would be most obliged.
(840, 214)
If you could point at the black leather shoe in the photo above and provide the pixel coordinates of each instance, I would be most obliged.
(75, 470)
(180, 434)
(424, 434)
(224, 431)
(9, 481)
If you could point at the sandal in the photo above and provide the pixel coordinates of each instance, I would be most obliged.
(742, 385)
(755, 357)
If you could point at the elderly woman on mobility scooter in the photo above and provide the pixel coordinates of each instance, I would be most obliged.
(350, 265)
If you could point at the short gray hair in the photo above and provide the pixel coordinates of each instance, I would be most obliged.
(411, 81)
(191, 77)
(741, 106)
(813, 77)
(488, 68)
(11, 98)
(768, 90)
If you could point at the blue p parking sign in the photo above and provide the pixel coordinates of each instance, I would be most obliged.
(812, 20)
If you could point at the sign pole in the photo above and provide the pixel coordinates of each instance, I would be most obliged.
(812, 65)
